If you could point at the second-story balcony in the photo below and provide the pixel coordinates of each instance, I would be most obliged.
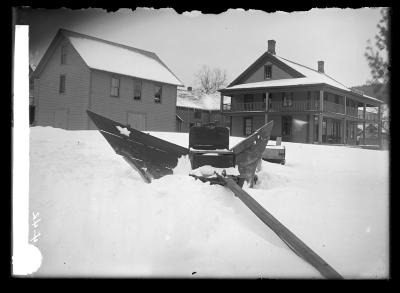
(299, 106)
(244, 107)
(333, 107)
(272, 107)
(295, 106)
(369, 116)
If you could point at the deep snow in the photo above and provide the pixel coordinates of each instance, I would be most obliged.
(98, 218)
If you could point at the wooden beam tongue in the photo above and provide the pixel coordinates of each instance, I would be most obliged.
(291, 240)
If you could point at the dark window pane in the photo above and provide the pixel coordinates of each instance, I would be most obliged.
(157, 94)
(268, 71)
(137, 89)
(114, 87)
(62, 84)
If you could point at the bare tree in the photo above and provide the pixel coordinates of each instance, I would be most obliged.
(211, 79)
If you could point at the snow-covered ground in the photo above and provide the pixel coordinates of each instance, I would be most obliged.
(98, 218)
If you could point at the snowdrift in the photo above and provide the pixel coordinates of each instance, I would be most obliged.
(98, 218)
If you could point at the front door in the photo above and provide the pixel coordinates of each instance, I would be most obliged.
(336, 131)
(137, 121)
(61, 118)
(248, 126)
(286, 128)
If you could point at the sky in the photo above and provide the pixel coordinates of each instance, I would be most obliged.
(231, 40)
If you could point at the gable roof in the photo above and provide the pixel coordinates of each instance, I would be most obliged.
(307, 76)
(113, 57)
(263, 58)
(197, 100)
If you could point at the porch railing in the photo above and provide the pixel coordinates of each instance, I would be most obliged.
(369, 116)
(351, 111)
(244, 107)
(295, 106)
(333, 107)
(299, 106)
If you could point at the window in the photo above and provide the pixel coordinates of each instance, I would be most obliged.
(114, 87)
(248, 126)
(286, 125)
(197, 114)
(137, 89)
(64, 54)
(350, 127)
(286, 100)
(62, 84)
(268, 71)
(157, 93)
(336, 99)
(308, 100)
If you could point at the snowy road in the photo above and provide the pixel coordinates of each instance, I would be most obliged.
(98, 218)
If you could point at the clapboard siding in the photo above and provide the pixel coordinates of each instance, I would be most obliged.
(258, 74)
(159, 117)
(75, 98)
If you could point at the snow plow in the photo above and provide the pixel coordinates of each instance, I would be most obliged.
(209, 153)
(154, 158)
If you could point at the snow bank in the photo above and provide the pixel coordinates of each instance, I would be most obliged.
(98, 218)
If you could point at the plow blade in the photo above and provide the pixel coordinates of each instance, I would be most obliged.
(248, 152)
(152, 157)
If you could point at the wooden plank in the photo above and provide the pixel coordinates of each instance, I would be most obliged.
(294, 243)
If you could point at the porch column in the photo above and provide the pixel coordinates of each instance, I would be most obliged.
(310, 128)
(266, 106)
(320, 128)
(222, 102)
(364, 116)
(345, 105)
(321, 117)
(344, 127)
(379, 127)
(321, 100)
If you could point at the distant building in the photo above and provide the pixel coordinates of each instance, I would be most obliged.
(305, 104)
(126, 84)
(194, 108)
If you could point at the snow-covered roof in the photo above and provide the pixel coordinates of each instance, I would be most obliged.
(197, 100)
(311, 76)
(117, 58)
(104, 55)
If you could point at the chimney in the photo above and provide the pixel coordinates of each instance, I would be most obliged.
(271, 46)
(321, 66)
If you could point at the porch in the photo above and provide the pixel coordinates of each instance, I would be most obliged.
(325, 107)
(301, 106)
